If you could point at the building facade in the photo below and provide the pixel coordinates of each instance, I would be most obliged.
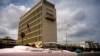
(87, 44)
(39, 24)
(7, 42)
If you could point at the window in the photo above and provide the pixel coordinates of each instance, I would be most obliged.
(49, 10)
(49, 14)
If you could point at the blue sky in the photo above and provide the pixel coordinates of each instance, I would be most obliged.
(82, 16)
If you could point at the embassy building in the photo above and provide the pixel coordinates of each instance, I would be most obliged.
(38, 24)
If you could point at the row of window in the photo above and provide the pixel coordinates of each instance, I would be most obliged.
(39, 38)
(30, 25)
(32, 29)
(36, 27)
(35, 22)
(34, 18)
(49, 14)
(33, 26)
(49, 10)
(30, 19)
(33, 34)
(32, 14)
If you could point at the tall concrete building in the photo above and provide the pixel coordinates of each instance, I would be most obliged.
(39, 24)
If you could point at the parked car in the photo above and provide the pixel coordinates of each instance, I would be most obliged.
(78, 51)
(30, 51)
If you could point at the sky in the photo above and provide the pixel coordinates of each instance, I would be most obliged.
(77, 20)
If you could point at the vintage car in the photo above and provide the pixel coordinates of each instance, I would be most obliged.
(30, 51)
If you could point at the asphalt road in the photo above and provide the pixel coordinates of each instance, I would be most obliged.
(90, 54)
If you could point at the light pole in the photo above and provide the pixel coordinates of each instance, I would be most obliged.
(92, 44)
(66, 32)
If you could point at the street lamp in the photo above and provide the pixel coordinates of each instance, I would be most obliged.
(66, 32)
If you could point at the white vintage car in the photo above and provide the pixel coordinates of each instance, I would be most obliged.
(29, 51)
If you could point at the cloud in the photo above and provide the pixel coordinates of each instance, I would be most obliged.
(73, 18)
(11, 15)
(77, 16)
(3, 31)
(10, 18)
(5, 2)
(83, 18)
(78, 30)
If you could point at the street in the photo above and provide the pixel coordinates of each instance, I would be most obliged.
(89, 54)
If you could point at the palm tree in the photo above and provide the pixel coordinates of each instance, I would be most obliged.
(22, 36)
